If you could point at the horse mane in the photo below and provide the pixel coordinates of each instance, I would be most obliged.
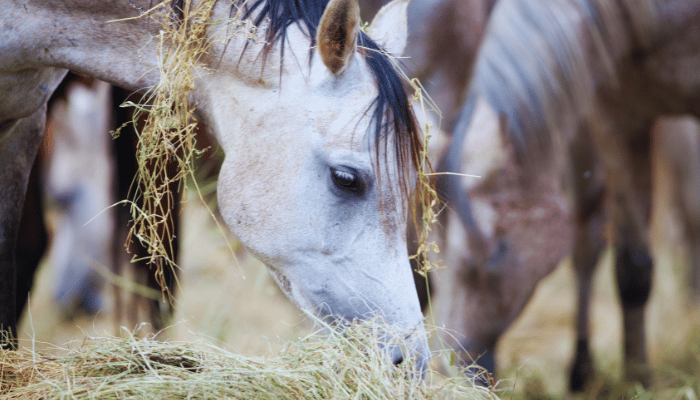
(536, 67)
(391, 107)
(539, 67)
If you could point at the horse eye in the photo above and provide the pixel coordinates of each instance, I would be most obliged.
(345, 180)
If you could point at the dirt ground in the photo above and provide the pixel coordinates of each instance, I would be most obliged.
(241, 308)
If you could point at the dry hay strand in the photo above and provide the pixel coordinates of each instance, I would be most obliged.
(424, 200)
(338, 364)
(425, 196)
(168, 135)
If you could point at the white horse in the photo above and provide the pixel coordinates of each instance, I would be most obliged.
(321, 142)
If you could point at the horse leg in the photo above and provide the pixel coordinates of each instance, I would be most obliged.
(158, 311)
(589, 220)
(125, 169)
(631, 211)
(135, 298)
(32, 238)
(634, 267)
(117, 267)
(680, 144)
(19, 143)
(693, 238)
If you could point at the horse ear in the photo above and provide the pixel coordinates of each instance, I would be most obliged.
(337, 33)
(389, 28)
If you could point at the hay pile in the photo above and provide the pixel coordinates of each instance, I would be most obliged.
(339, 365)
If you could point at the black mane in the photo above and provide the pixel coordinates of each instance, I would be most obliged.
(391, 107)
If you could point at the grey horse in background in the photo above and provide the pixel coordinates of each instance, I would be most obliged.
(557, 121)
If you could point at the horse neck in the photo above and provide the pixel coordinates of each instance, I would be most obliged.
(83, 36)
(108, 41)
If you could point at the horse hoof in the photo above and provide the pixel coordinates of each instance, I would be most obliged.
(582, 370)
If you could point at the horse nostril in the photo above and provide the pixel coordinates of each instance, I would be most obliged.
(416, 364)
(413, 354)
(398, 360)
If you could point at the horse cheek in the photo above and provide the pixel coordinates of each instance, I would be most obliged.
(240, 207)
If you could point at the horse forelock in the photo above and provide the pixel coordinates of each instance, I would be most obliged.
(391, 109)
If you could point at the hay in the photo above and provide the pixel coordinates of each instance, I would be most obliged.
(166, 150)
(425, 196)
(168, 134)
(336, 365)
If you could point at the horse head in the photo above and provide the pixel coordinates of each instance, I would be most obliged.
(502, 232)
(319, 162)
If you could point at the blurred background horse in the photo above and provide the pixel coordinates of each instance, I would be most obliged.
(79, 182)
(562, 92)
(85, 173)
(444, 36)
